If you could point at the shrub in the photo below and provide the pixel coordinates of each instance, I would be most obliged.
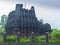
(42, 37)
(54, 41)
(22, 40)
(2, 30)
(55, 34)
(11, 38)
(1, 39)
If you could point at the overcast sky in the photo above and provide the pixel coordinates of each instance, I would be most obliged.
(48, 10)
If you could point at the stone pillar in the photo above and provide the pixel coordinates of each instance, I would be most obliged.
(28, 32)
(5, 37)
(47, 39)
(25, 31)
(18, 36)
(32, 34)
(22, 31)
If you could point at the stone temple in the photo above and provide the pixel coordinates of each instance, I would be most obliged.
(22, 20)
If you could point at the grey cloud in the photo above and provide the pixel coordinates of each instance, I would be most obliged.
(52, 3)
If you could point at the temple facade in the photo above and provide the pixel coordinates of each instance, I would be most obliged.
(22, 20)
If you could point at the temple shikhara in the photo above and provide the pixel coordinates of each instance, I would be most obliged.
(22, 20)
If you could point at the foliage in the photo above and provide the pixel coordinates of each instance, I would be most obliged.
(38, 38)
(44, 27)
(11, 38)
(3, 19)
(55, 34)
(2, 30)
(42, 37)
(25, 40)
(54, 41)
(1, 39)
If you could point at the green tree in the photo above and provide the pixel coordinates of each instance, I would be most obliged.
(44, 27)
(2, 30)
(47, 28)
(3, 20)
(55, 34)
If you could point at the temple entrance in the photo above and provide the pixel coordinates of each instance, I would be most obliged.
(15, 30)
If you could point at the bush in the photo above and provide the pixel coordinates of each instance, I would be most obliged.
(55, 34)
(1, 39)
(22, 40)
(11, 38)
(40, 38)
(2, 30)
(54, 41)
